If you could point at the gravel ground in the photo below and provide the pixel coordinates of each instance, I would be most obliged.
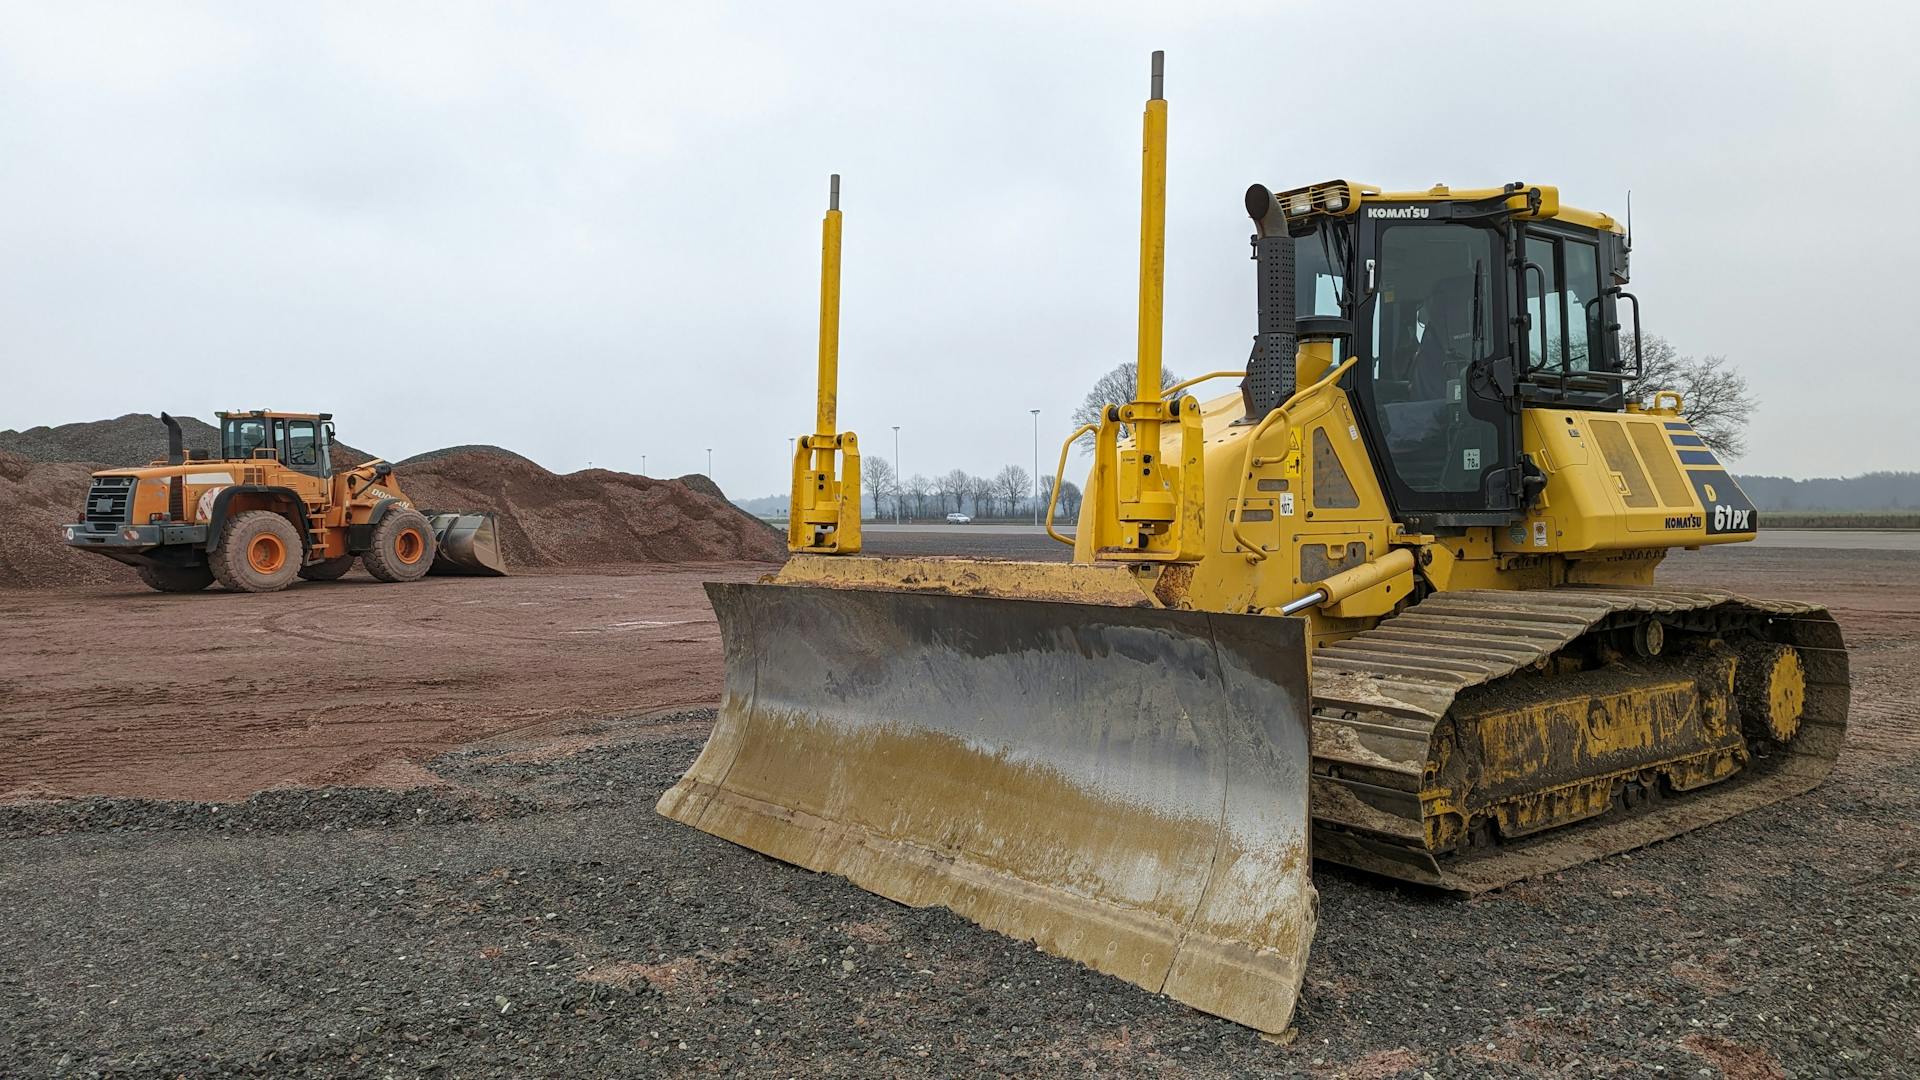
(534, 916)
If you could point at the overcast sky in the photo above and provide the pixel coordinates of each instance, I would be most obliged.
(591, 232)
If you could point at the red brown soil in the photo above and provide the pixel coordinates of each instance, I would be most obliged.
(121, 691)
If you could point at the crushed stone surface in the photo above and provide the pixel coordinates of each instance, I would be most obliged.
(517, 908)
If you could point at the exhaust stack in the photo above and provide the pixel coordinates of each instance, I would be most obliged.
(176, 444)
(1271, 371)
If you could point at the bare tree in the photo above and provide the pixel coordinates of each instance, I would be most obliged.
(1069, 500)
(1067, 507)
(956, 485)
(1116, 387)
(876, 475)
(1014, 485)
(1713, 393)
(981, 489)
(919, 487)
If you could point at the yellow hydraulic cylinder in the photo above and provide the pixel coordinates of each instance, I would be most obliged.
(824, 514)
(1148, 507)
(825, 422)
(1153, 246)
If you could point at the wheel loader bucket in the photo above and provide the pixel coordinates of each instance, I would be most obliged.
(1123, 786)
(466, 544)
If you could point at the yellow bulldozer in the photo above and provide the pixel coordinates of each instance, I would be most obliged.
(269, 509)
(1391, 604)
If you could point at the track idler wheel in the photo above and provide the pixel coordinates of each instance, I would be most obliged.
(1771, 688)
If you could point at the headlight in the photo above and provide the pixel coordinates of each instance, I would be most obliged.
(71, 532)
(1336, 200)
(1299, 202)
(130, 533)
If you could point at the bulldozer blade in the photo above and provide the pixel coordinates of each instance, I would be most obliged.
(466, 544)
(1122, 786)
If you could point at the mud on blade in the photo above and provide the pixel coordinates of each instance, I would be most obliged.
(1125, 787)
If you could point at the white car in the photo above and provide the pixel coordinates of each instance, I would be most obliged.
(959, 519)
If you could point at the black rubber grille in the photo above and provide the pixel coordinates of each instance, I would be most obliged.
(109, 501)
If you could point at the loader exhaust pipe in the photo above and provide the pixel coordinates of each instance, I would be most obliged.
(1271, 369)
(176, 443)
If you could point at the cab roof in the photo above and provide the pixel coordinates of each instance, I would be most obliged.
(270, 414)
(1342, 198)
(1551, 206)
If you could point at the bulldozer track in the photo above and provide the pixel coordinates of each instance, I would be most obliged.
(1380, 695)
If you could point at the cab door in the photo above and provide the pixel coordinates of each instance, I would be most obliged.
(1435, 348)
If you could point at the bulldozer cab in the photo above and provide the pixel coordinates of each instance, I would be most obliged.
(301, 442)
(1464, 308)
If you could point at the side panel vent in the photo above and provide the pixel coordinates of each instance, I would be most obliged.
(1651, 441)
(1620, 458)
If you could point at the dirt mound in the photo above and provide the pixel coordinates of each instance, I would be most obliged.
(133, 439)
(36, 499)
(592, 517)
(464, 448)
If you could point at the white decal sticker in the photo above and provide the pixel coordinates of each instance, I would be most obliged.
(204, 511)
(1286, 504)
(1539, 534)
(1470, 459)
(200, 478)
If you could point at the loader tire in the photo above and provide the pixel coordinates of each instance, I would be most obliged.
(177, 579)
(260, 551)
(402, 547)
(327, 569)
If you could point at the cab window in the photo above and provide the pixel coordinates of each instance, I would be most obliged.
(1432, 325)
(305, 449)
(1563, 290)
(239, 438)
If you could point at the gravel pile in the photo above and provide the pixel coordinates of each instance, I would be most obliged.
(534, 916)
(592, 517)
(464, 448)
(37, 498)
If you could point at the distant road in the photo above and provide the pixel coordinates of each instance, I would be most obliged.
(1850, 539)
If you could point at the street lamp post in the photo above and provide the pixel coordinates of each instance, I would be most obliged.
(898, 483)
(1036, 465)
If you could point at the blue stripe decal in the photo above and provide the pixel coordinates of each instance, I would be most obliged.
(1687, 440)
(1698, 457)
(1679, 425)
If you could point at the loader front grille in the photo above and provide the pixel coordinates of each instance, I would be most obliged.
(109, 501)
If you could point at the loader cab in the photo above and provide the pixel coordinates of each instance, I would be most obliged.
(301, 442)
(1462, 311)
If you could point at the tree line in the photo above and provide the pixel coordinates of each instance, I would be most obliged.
(1009, 493)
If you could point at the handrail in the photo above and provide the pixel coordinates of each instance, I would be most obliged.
(1176, 388)
(1238, 507)
(1059, 474)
